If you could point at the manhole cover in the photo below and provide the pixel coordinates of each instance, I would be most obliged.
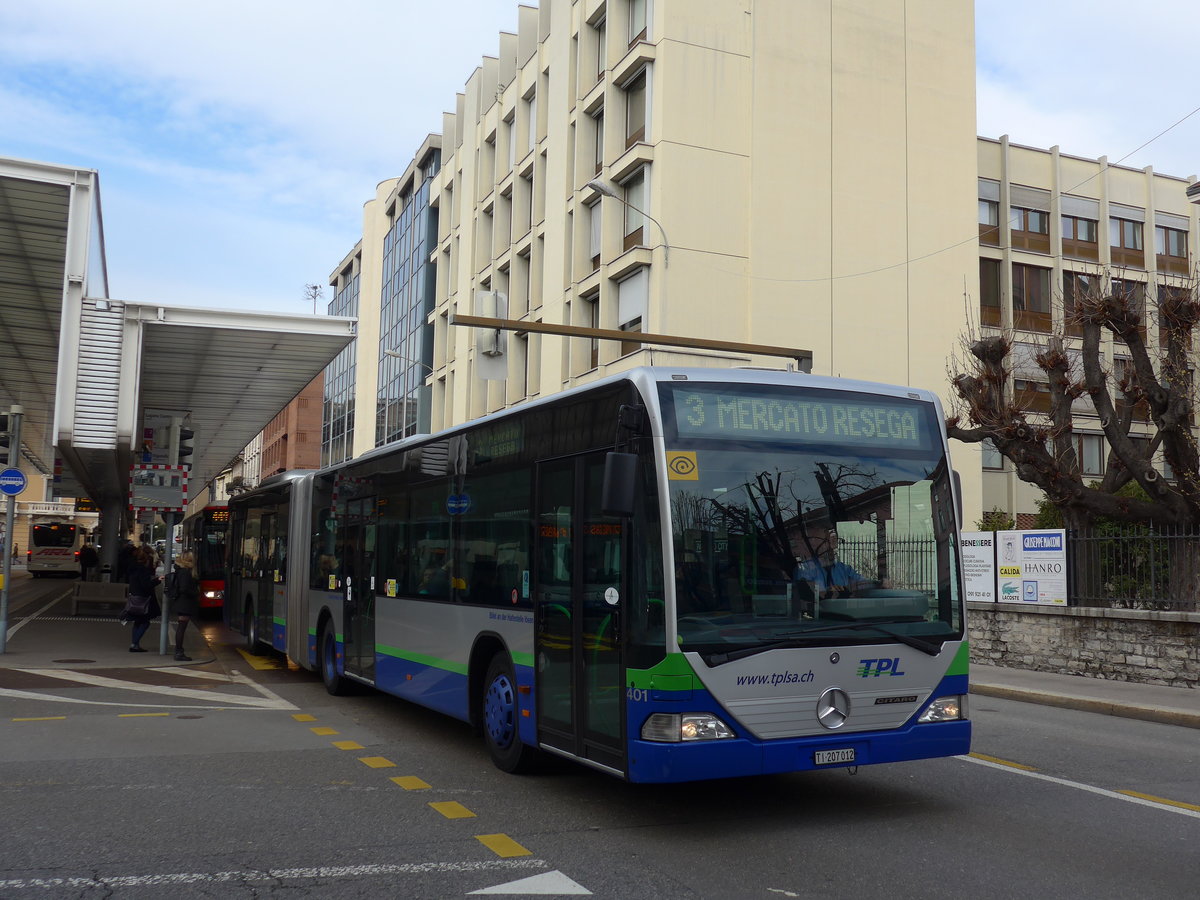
(189, 717)
(74, 660)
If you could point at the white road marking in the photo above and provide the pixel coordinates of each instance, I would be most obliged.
(194, 673)
(268, 700)
(1112, 795)
(547, 883)
(52, 698)
(251, 876)
(25, 621)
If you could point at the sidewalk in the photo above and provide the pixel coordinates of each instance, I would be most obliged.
(49, 637)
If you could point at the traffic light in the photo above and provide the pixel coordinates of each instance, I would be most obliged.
(187, 444)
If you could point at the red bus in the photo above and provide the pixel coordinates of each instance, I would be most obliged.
(203, 535)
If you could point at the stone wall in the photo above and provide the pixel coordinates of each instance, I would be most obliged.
(1114, 644)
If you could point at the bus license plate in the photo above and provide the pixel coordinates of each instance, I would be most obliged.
(829, 757)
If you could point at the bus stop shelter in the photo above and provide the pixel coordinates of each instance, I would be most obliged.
(85, 367)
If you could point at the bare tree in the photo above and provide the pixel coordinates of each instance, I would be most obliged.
(313, 292)
(1154, 389)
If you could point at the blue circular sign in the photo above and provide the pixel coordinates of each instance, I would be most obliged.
(457, 504)
(12, 482)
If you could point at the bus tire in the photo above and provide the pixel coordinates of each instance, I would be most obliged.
(499, 716)
(335, 684)
(254, 645)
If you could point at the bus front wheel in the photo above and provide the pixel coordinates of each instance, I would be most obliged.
(327, 651)
(500, 716)
(253, 643)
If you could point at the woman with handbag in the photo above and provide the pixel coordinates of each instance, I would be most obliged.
(183, 599)
(142, 605)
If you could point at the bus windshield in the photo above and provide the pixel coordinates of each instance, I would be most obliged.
(56, 534)
(805, 517)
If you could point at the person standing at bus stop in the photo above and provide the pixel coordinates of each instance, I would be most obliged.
(89, 559)
(142, 581)
(183, 599)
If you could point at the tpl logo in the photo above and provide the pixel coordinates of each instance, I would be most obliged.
(876, 667)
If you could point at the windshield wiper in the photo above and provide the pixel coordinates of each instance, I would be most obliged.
(796, 640)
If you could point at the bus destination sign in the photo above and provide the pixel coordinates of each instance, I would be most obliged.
(834, 419)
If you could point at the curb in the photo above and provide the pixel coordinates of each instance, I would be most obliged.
(1162, 715)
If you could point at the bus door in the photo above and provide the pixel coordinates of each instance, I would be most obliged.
(358, 582)
(580, 580)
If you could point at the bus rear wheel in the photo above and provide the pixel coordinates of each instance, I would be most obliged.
(327, 657)
(500, 716)
(253, 643)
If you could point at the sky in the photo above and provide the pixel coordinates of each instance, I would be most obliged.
(237, 141)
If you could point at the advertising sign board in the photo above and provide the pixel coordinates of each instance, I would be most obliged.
(1032, 566)
(979, 564)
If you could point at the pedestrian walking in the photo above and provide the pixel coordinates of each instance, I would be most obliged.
(89, 560)
(141, 605)
(183, 599)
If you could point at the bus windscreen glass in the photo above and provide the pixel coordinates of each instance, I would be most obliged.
(806, 517)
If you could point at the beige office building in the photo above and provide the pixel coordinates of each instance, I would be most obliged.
(1051, 224)
(787, 172)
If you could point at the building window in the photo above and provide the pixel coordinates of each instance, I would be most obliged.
(1076, 287)
(1092, 452)
(601, 48)
(634, 189)
(1032, 396)
(989, 222)
(594, 233)
(989, 291)
(632, 296)
(1134, 294)
(1170, 247)
(1031, 297)
(593, 313)
(637, 20)
(531, 114)
(1169, 295)
(599, 142)
(1080, 238)
(635, 109)
(1030, 229)
(1125, 240)
(992, 458)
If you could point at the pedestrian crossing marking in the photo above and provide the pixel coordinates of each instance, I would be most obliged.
(348, 745)
(502, 845)
(304, 717)
(324, 730)
(410, 782)
(452, 809)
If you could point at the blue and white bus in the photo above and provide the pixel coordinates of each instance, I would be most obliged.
(670, 574)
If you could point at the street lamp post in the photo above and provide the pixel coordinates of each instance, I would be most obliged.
(604, 189)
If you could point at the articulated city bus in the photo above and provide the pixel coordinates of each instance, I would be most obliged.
(204, 534)
(54, 544)
(668, 575)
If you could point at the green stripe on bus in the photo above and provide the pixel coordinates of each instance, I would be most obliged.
(433, 661)
(961, 661)
(279, 620)
(522, 659)
(674, 673)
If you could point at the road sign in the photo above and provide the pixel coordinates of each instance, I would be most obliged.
(158, 487)
(12, 482)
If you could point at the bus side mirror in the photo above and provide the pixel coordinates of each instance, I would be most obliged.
(616, 491)
(958, 495)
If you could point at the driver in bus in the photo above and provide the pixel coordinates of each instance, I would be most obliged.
(829, 576)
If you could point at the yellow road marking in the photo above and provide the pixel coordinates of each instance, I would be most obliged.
(1003, 762)
(304, 717)
(40, 719)
(259, 662)
(376, 762)
(410, 783)
(502, 845)
(452, 809)
(1162, 800)
(139, 715)
(348, 745)
(324, 729)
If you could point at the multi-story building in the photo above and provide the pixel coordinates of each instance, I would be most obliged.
(783, 173)
(291, 439)
(1052, 225)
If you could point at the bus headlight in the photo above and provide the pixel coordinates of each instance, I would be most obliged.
(946, 709)
(676, 727)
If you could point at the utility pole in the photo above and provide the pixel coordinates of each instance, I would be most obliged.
(173, 446)
(14, 459)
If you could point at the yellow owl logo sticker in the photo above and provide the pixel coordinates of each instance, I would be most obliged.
(681, 465)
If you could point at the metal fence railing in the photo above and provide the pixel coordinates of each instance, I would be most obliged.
(1135, 567)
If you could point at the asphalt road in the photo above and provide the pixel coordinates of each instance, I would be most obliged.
(228, 781)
